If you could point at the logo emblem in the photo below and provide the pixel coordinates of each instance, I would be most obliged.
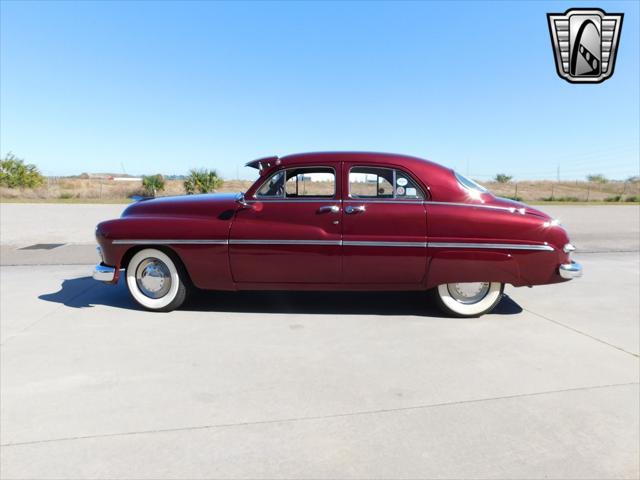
(585, 43)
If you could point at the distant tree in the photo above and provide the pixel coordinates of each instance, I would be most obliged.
(202, 181)
(634, 179)
(597, 178)
(14, 173)
(503, 178)
(152, 184)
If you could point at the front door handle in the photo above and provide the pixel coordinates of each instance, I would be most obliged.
(329, 208)
(357, 209)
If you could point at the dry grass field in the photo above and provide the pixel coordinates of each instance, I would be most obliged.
(575, 191)
(73, 189)
(108, 191)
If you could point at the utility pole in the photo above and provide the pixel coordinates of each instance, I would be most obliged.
(558, 174)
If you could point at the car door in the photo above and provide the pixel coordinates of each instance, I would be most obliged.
(384, 226)
(290, 232)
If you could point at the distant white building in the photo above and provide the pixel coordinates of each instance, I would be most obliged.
(126, 179)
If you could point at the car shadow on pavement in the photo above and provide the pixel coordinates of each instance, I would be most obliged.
(84, 292)
(348, 303)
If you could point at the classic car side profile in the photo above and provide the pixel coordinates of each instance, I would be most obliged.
(338, 221)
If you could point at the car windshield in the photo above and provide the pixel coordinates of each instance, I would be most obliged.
(469, 184)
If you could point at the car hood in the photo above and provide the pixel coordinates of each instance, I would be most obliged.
(208, 205)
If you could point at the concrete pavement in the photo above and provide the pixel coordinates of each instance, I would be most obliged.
(321, 385)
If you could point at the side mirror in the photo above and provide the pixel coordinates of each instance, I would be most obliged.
(242, 201)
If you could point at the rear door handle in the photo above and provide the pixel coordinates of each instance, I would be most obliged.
(357, 209)
(329, 208)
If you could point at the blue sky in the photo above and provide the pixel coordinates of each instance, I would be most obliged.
(163, 87)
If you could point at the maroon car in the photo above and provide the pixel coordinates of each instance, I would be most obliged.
(338, 221)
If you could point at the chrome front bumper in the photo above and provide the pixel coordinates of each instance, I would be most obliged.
(570, 270)
(104, 273)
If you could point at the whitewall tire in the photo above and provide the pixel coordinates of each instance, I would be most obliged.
(469, 299)
(154, 281)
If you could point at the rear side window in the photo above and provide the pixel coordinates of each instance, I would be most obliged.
(308, 182)
(469, 184)
(382, 183)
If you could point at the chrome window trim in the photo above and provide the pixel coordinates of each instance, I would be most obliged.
(389, 202)
(475, 186)
(335, 200)
(255, 196)
(502, 246)
(154, 241)
(295, 200)
(394, 199)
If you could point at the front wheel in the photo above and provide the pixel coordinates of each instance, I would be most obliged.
(469, 299)
(154, 281)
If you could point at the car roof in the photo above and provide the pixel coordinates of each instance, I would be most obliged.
(316, 158)
(376, 157)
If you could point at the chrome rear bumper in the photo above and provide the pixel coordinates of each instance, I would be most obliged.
(570, 270)
(104, 273)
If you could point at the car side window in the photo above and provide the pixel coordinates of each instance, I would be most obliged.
(382, 183)
(274, 187)
(307, 182)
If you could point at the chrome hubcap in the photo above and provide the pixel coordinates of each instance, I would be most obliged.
(153, 278)
(468, 293)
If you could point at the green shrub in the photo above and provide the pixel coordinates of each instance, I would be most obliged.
(560, 199)
(632, 198)
(503, 178)
(615, 198)
(513, 197)
(152, 184)
(65, 195)
(202, 181)
(14, 173)
(597, 178)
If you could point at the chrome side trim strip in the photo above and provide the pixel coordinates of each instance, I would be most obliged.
(283, 242)
(154, 241)
(393, 202)
(504, 246)
(474, 205)
(353, 243)
(348, 243)
(328, 242)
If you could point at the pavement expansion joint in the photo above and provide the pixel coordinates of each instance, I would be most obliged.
(318, 417)
(560, 324)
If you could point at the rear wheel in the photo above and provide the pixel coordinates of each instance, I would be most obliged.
(154, 281)
(469, 299)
